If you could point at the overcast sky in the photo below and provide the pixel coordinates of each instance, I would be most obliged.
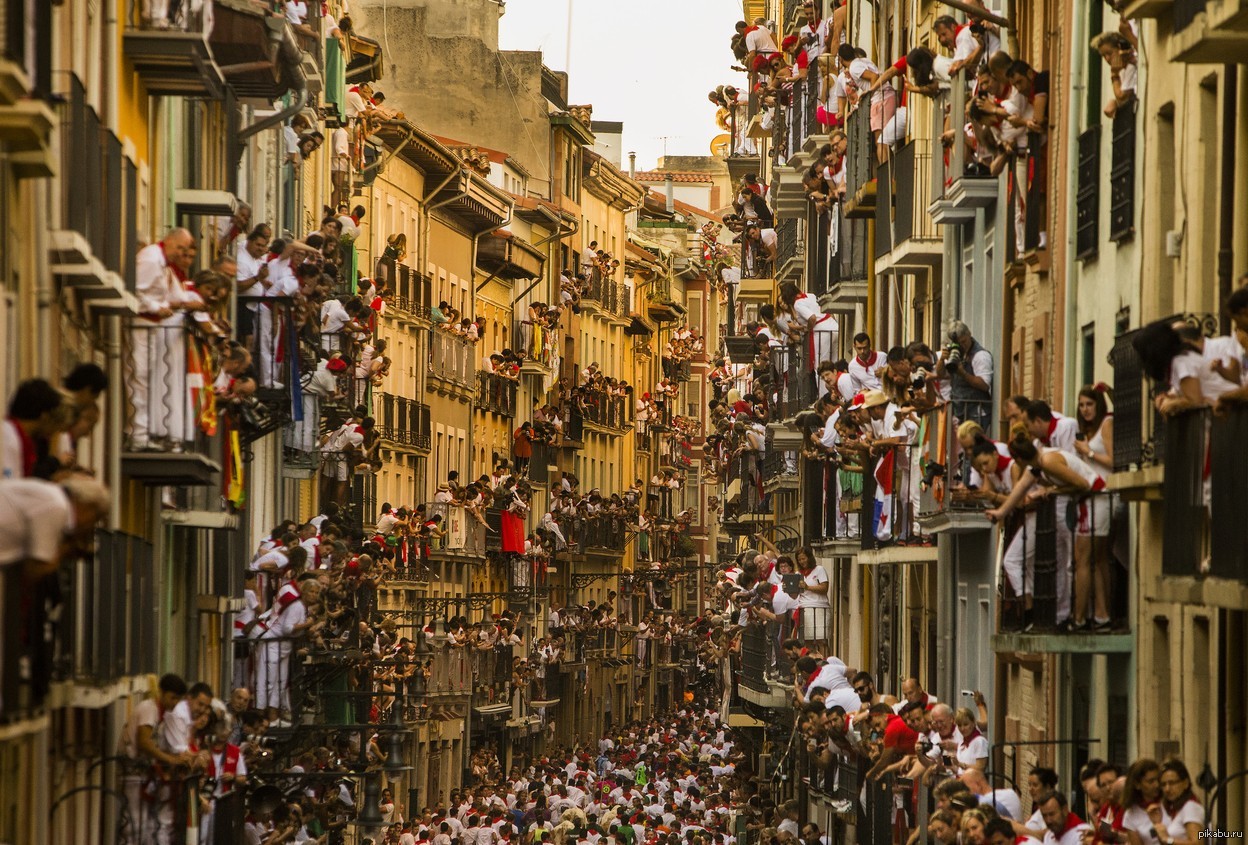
(649, 63)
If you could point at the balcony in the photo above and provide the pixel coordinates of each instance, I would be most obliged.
(790, 250)
(93, 251)
(955, 194)
(660, 306)
(801, 123)
(1122, 175)
(538, 345)
(174, 58)
(892, 482)
(759, 681)
(606, 298)
(831, 506)
(108, 624)
(464, 535)
(452, 363)
(796, 388)
(26, 125)
(507, 257)
(411, 294)
(947, 504)
(755, 265)
(916, 241)
(497, 394)
(779, 467)
(861, 163)
(171, 419)
(403, 422)
(746, 506)
(601, 534)
(1209, 31)
(741, 153)
(611, 414)
(846, 281)
(1040, 553)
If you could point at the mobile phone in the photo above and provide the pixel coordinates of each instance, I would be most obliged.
(968, 693)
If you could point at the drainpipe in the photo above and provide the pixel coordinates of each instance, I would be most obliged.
(670, 187)
(113, 333)
(1078, 60)
(1226, 214)
(559, 235)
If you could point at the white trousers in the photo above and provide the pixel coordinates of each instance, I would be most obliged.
(273, 676)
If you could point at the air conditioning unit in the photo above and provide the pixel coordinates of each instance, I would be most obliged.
(312, 73)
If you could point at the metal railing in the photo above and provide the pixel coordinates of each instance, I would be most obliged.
(497, 393)
(452, 358)
(1184, 546)
(800, 114)
(849, 261)
(1139, 430)
(411, 292)
(794, 372)
(182, 19)
(744, 494)
(1228, 541)
(615, 412)
(169, 375)
(600, 531)
(786, 241)
(401, 420)
(832, 500)
(1058, 565)
(912, 170)
(861, 155)
(891, 486)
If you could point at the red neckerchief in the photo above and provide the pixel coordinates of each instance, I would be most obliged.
(29, 453)
(1072, 822)
(1049, 433)
(811, 677)
(870, 363)
(1003, 462)
(177, 271)
(966, 740)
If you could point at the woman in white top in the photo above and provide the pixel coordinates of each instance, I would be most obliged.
(1140, 795)
(1180, 817)
(1170, 353)
(972, 751)
(1095, 444)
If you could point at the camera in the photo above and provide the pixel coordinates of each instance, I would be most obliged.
(919, 381)
(953, 355)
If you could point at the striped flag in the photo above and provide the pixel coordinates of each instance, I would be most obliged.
(884, 496)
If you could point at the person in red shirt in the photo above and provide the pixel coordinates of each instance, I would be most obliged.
(899, 739)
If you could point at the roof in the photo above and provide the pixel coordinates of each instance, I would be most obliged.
(682, 207)
(677, 176)
(496, 156)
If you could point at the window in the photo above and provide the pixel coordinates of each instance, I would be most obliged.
(1038, 385)
(1122, 175)
(1088, 361)
(1087, 196)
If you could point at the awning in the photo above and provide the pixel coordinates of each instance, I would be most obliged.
(492, 710)
(366, 60)
(509, 257)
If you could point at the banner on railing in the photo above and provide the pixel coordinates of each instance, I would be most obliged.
(456, 528)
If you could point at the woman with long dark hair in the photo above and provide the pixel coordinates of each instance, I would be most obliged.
(1095, 444)
(1171, 354)
(1181, 817)
(1140, 794)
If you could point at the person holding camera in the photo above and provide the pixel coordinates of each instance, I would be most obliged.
(968, 366)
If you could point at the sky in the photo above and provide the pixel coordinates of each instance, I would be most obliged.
(648, 63)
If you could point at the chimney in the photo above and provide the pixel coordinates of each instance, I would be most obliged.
(671, 192)
(632, 165)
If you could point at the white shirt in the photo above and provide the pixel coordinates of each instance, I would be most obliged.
(334, 316)
(1193, 812)
(1074, 836)
(175, 730)
(964, 43)
(296, 11)
(969, 752)
(36, 516)
(248, 267)
(1005, 802)
(1191, 364)
(806, 598)
(864, 375)
(145, 714)
(760, 40)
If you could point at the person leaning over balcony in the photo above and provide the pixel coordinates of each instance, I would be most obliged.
(1118, 53)
(139, 746)
(1172, 353)
(960, 38)
(863, 73)
(1061, 469)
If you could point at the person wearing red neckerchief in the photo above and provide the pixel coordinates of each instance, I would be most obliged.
(1063, 826)
(865, 365)
(226, 771)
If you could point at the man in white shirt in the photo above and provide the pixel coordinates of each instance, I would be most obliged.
(1004, 801)
(1049, 428)
(139, 745)
(864, 366)
(1064, 827)
(958, 38)
(759, 41)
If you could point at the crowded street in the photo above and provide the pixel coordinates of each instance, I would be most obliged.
(442, 422)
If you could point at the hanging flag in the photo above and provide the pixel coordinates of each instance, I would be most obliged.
(235, 491)
(884, 495)
(203, 397)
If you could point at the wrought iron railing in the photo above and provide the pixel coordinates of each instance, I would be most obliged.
(912, 165)
(1229, 477)
(497, 393)
(861, 158)
(1184, 546)
(891, 486)
(462, 533)
(452, 358)
(1122, 174)
(831, 500)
